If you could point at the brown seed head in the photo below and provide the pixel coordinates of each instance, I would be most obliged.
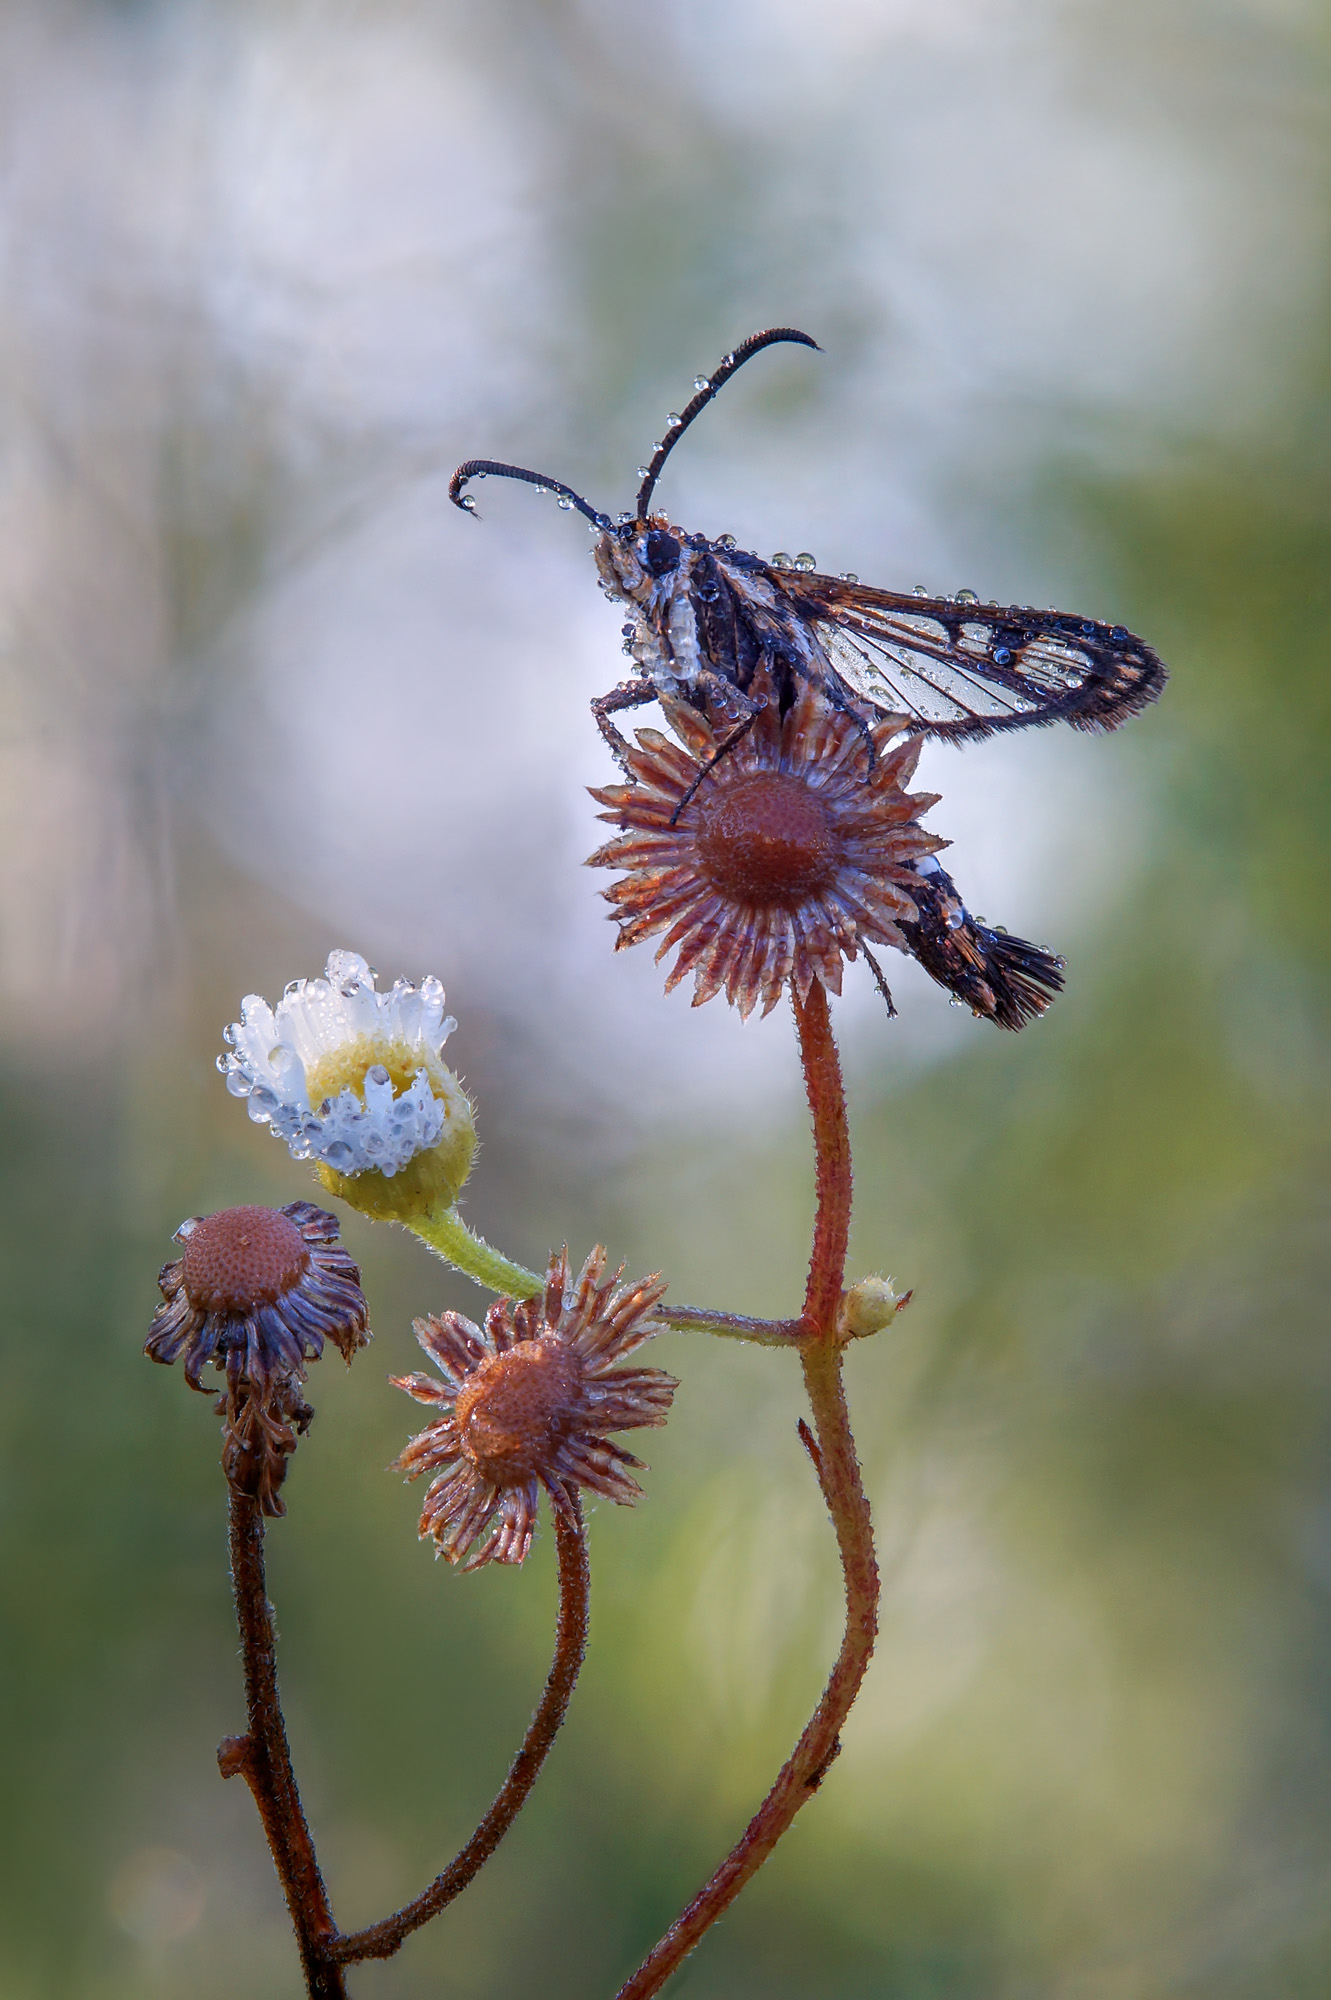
(768, 840)
(242, 1257)
(255, 1293)
(529, 1401)
(768, 860)
(512, 1412)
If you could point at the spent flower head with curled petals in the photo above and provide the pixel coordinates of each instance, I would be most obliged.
(769, 867)
(529, 1402)
(354, 1080)
(256, 1292)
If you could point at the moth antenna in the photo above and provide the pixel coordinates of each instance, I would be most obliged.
(480, 468)
(744, 352)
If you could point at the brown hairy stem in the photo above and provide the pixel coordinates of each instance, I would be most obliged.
(839, 1476)
(383, 1939)
(264, 1760)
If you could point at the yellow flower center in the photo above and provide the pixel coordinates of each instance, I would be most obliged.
(432, 1180)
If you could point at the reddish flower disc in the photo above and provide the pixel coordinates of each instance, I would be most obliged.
(242, 1257)
(513, 1410)
(767, 839)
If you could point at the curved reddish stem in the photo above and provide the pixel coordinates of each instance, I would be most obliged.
(381, 1940)
(264, 1760)
(838, 1471)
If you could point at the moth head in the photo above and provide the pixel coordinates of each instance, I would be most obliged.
(638, 558)
(659, 552)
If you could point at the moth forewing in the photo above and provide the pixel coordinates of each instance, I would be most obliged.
(967, 670)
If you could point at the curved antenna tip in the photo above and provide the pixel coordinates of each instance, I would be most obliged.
(490, 468)
(708, 387)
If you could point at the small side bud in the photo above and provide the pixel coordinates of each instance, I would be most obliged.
(868, 1307)
(233, 1754)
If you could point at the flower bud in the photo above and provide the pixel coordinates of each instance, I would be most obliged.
(354, 1080)
(868, 1307)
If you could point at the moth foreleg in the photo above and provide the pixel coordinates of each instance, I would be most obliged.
(629, 694)
(736, 735)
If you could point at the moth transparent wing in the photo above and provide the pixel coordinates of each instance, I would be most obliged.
(968, 670)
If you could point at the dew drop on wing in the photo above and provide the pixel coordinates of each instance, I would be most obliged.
(805, 561)
(966, 596)
(849, 576)
(1001, 656)
(781, 560)
(1119, 634)
(1087, 629)
(919, 591)
(725, 541)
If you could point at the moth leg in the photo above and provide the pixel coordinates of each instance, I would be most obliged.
(879, 980)
(737, 735)
(629, 694)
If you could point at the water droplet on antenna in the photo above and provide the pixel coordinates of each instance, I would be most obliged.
(566, 503)
(701, 382)
(672, 418)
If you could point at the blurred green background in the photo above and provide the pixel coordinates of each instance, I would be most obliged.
(270, 271)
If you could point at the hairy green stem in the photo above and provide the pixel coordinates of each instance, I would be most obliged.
(449, 1237)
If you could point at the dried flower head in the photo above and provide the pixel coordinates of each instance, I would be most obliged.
(354, 1079)
(774, 865)
(529, 1402)
(257, 1291)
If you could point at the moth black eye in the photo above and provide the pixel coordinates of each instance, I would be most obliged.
(660, 552)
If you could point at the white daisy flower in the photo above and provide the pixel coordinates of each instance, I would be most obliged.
(352, 1078)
